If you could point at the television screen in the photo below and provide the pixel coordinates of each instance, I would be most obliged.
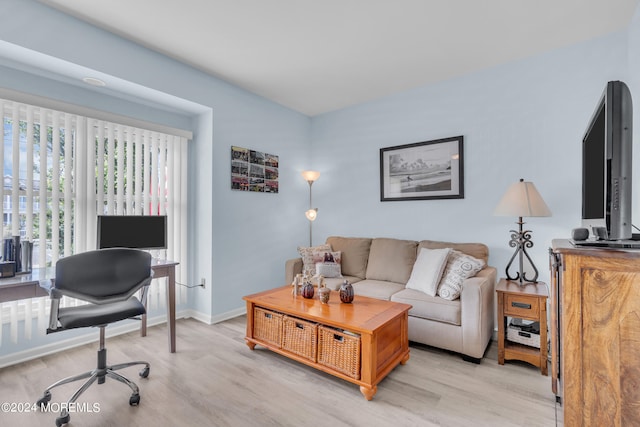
(607, 164)
(132, 231)
(593, 158)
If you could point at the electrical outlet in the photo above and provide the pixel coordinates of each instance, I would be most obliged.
(202, 282)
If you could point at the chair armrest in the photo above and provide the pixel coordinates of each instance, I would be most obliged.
(144, 291)
(291, 268)
(55, 296)
(477, 306)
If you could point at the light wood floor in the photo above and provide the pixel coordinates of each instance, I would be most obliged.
(215, 380)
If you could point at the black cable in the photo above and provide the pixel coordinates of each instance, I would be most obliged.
(189, 286)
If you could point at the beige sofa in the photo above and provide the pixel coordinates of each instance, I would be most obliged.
(381, 267)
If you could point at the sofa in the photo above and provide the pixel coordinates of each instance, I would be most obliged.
(384, 268)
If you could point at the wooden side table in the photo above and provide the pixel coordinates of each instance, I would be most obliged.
(527, 302)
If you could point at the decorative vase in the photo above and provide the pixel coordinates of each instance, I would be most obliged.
(307, 290)
(346, 292)
(323, 292)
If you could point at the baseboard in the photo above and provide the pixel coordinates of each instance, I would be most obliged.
(64, 344)
(210, 320)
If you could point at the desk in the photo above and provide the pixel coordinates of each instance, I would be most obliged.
(23, 286)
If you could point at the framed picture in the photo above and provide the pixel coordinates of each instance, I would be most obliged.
(254, 171)
(422, 170)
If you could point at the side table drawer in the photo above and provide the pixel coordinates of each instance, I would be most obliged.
(522, 306)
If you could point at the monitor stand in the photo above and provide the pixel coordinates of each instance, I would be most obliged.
(633, 243)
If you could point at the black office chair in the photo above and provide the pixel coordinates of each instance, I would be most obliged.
(107, 279)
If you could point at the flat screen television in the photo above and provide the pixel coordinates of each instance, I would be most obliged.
(606, 166)
(132, 231)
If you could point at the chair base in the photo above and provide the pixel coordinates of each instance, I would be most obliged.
(100, 374)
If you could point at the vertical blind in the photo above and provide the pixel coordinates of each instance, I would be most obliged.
(61, 170)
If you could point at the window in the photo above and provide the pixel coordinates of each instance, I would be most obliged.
(61, 170)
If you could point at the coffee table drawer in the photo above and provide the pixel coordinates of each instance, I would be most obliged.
(339, 350)
(267, 326)
(299, 337)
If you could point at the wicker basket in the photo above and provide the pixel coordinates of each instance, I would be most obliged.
(515, 334)
(267, 326)
(339, 351)
(299, 337)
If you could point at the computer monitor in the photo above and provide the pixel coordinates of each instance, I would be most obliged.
(132, 231)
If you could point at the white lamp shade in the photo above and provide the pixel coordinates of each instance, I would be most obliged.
(522, 199)
(310, 175)
(311, 214)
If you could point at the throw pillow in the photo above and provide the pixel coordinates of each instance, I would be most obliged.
(459, 267)
(427, 270)
(327, 263)
(307, 256)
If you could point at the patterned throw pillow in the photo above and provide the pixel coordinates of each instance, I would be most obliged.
(460, 266)
(327, 263)
(307, 256)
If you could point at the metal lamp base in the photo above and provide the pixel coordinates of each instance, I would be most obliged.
(521, 240)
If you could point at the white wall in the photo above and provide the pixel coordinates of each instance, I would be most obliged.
(524, 119)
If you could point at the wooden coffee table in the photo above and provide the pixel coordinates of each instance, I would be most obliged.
(380, 325)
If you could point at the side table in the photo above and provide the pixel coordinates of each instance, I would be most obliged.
(528, 302)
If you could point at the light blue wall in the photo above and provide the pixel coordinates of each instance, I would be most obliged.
(238, 240)
(524, 119)
(633, 81)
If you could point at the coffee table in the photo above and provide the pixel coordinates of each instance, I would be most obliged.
(379, 326)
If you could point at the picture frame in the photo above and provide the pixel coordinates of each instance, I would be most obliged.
(254, 171)
(423, 170)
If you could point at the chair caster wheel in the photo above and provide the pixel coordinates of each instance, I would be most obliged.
(44, 400)
(134, 400)
(145, 372)
(62, 420)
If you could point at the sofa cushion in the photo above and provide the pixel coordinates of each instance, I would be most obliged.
(427, 270)
(391, 259)
(355, 253)
(476, 250)
(379, 289)
(428, 307)
(307, 254)
(460, 266)
(334, 283)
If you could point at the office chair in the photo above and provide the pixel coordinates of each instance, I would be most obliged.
(107, 279)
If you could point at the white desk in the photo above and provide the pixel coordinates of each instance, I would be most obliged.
(23, 286)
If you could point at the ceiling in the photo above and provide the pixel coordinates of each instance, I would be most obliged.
(315, 56)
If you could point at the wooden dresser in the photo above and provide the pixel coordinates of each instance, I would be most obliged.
(595, 334)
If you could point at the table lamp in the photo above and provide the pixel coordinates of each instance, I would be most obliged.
(521, 200)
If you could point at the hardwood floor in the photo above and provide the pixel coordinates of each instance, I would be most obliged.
(215, 380)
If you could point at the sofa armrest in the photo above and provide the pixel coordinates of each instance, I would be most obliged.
(291, 268)
(477, 306)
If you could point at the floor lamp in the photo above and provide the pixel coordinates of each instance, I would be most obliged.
(522, 199)
(311, 213)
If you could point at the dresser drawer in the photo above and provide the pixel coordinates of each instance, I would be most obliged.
(522, 306)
